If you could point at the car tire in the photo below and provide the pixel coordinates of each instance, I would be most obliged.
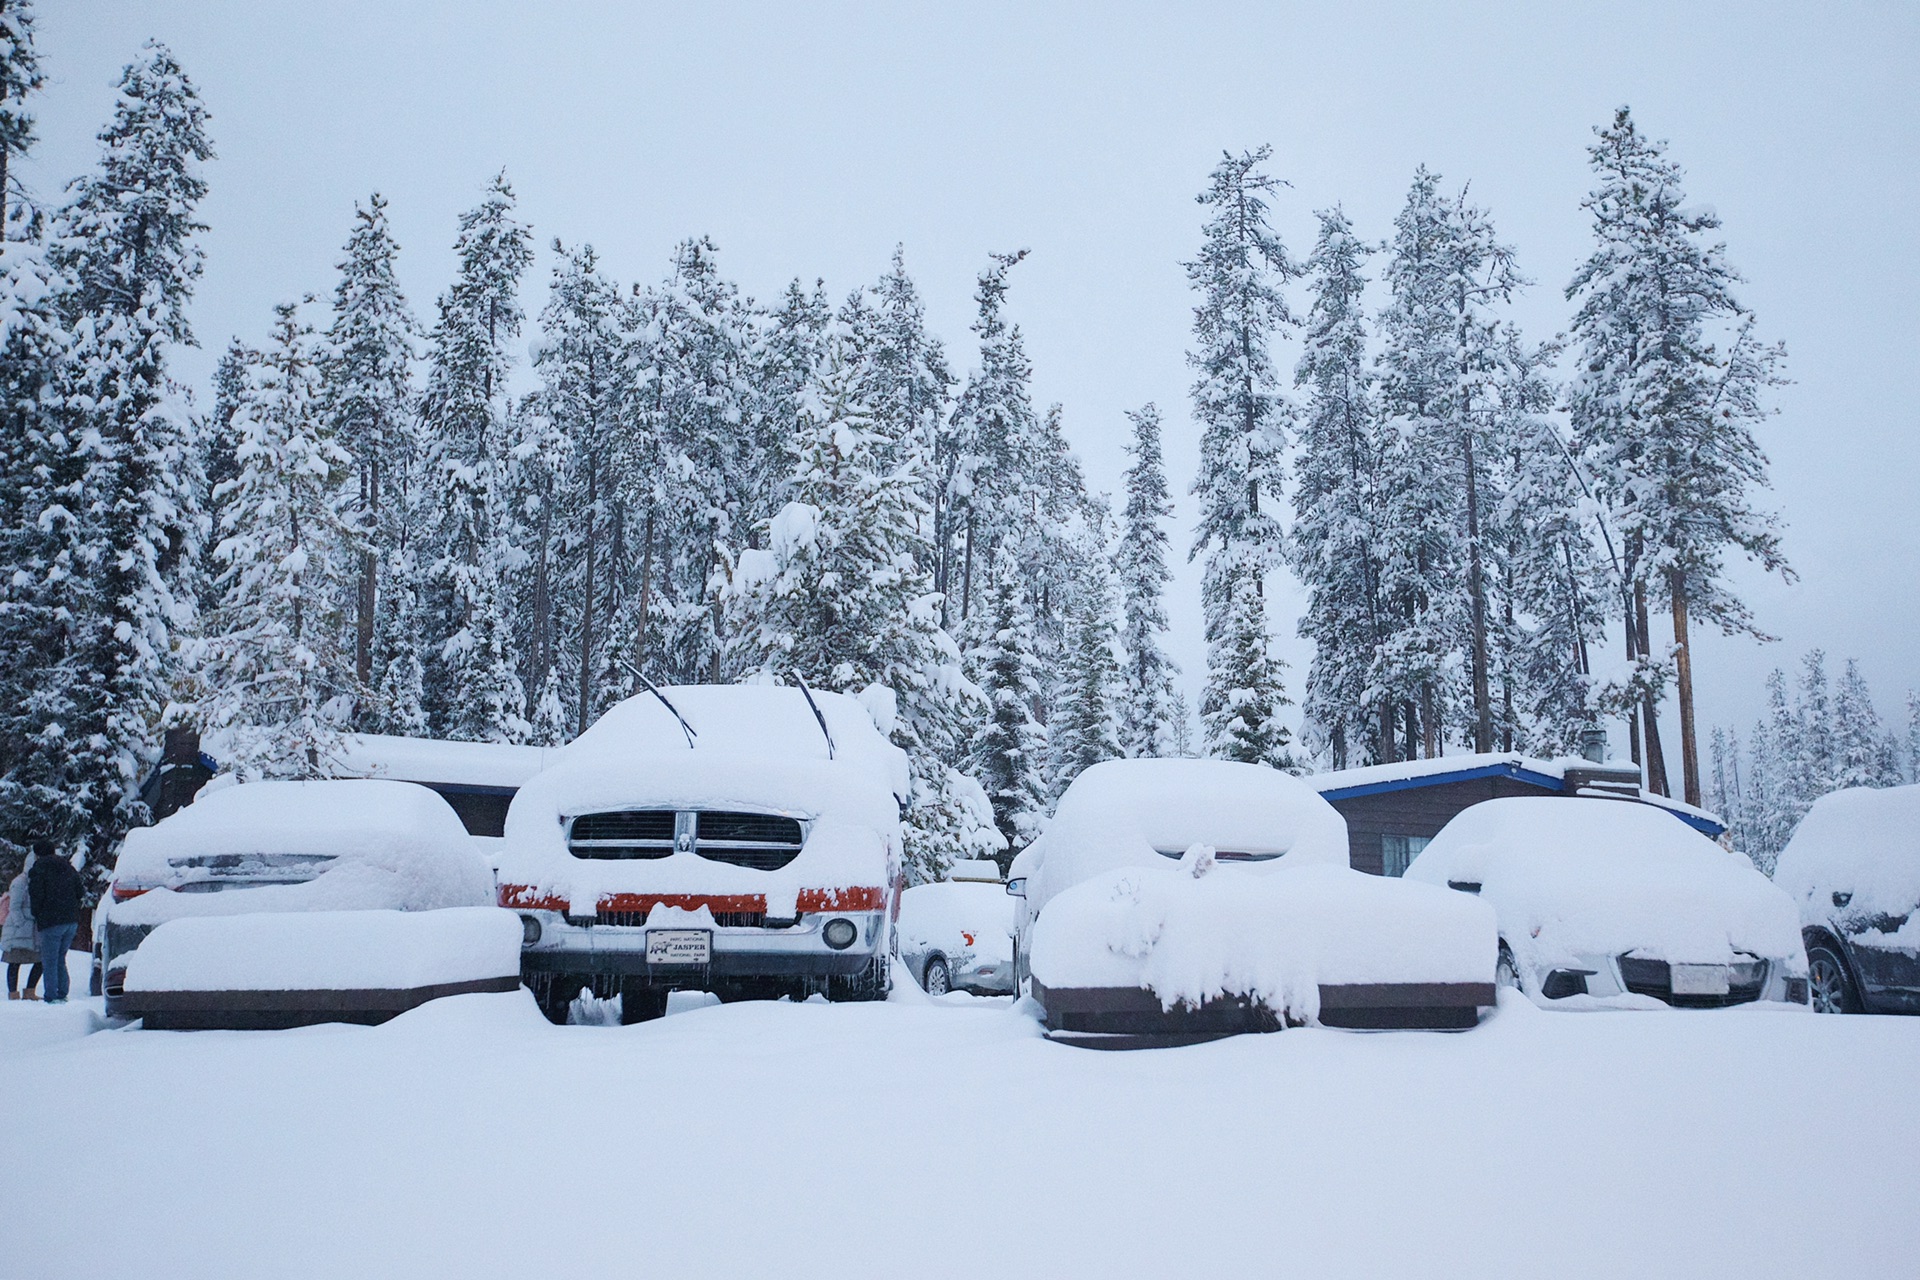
(641, 1003)
(1830, 987)
(938, 980)
(872, 983)
(554, 993)
(1506, 971)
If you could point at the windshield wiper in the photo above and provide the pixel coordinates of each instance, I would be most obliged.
(654, 689)
(818, 718)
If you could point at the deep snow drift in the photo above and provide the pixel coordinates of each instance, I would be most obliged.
(946, 1139)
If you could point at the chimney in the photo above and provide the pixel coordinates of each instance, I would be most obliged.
(1593, 744)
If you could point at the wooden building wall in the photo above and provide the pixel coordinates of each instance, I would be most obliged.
(1415, 811)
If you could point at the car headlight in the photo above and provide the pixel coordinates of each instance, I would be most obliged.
(529, 930)
(839, 934)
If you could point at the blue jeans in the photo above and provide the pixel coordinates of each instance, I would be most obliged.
(54, 942)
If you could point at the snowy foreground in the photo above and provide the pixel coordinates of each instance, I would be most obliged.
(920, 1138)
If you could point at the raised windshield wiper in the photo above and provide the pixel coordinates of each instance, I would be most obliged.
(818, 718)
(654, 689)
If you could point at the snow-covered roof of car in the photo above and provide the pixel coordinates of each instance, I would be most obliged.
(475, 764)
(1135, 812)
(1608, 875)
(1862, 841)
(1547, 774)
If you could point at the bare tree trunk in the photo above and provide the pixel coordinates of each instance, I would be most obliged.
(1387, 753)
(966, 574)
(587, 591)
(1633, 651)
(1477, 593)
(369, 565)
(941, 551)
(1649, 709)
(646, 592)
(1683, 659)
(1429, 723)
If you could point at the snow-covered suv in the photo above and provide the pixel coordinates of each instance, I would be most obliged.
(740, 839)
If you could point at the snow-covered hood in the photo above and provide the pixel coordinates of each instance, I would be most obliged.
(1275, 936)
(1574, 877)
(1145, 813)
(1862, 844)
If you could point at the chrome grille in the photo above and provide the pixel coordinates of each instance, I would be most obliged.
(763, 841)
(623, 833)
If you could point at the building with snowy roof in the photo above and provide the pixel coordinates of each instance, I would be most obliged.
(1392, 810)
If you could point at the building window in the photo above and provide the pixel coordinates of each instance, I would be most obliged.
(1397, 851)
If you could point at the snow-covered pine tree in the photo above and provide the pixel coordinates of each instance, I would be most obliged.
(568, 492)
(1010, 747)
(1243, 694)
(37, 463)
(473, 689)
(1859, 759)
(1913, 736)
(277, 659)
(1182, 727)
(368, 388)
(840, 595)
(125, 245)
(1147, 708)
(20, 79)
(1671, 383)
(906, 381)
(1811, 748)
(692, 365)
(987, 453)
(1334, 545)
(1083, 728)
(1239, 274)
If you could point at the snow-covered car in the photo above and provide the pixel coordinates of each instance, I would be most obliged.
(1171, 900)
(1853, 869)
(739, 839)
(957, 935)
(278, 904)
(1605, 901)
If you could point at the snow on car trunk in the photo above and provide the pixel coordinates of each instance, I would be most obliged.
(328, 951)
(279, 847)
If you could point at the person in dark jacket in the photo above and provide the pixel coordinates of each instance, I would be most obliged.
(54, 888)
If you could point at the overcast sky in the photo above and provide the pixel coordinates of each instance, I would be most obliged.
(808, 141)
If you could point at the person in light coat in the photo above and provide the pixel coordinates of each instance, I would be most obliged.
(18, 942)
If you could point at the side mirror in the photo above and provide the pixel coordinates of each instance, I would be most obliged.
(1017, 887)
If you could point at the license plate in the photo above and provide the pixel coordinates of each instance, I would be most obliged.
(679, 946)
(1699, 979)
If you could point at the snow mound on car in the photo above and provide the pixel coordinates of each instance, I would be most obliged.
(1275, 938)
(1862, 841)
(395, 845)
(1576, 876)
(328, 951)
(1124, 813)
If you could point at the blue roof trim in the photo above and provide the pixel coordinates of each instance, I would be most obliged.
(1545, 781)
(1705, 826)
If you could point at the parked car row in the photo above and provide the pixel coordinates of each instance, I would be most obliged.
(745, 840)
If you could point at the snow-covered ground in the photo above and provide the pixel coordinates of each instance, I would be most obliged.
(926, 1138)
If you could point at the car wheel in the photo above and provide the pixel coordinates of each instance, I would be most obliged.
(937, 980)
(1506, 972)
(1830, 987)
(641, 1003)
(871, 983)
(554, 993)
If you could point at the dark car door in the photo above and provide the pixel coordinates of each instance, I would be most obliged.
(1889, 971)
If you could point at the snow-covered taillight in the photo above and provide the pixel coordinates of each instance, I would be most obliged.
(122, 892)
